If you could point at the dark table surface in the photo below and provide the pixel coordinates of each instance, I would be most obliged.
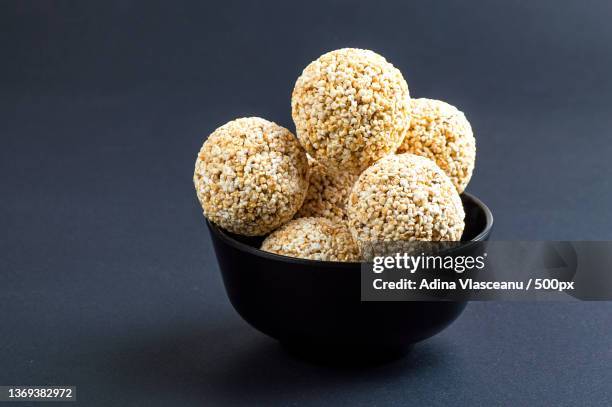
(107, 277)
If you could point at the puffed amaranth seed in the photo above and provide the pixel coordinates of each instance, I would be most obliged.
(327, 193)
(313, 238)
(404, 198)
(350, 108)
(251, 176)
(441, 132)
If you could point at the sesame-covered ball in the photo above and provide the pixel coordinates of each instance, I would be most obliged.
(350, 108)
(441, 132)
(313, 238)
(405, 198)
(251, 176)
(327, 193)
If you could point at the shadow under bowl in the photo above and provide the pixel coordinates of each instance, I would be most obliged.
(315, 307)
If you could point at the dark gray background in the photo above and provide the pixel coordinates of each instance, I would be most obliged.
(107, 277)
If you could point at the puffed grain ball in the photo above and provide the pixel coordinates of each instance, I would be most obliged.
(313, 238)
(327, 193)
(350, 108)
(441, 132)
(251, 176)
(404, 198)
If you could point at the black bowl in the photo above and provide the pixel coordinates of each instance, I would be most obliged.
(316, 306)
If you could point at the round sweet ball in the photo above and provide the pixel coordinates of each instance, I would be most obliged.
(441, 132)
(251, 176)
(350, 108)
(404, 198)
(327, 193)
(313, 238)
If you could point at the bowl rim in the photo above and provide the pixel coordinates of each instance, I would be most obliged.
(223, 236)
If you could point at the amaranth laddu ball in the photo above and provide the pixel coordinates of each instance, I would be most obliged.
(313, 238)
(350, 108)
(327, 193)
(251, 176)
(441, 132)
(404, 198)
